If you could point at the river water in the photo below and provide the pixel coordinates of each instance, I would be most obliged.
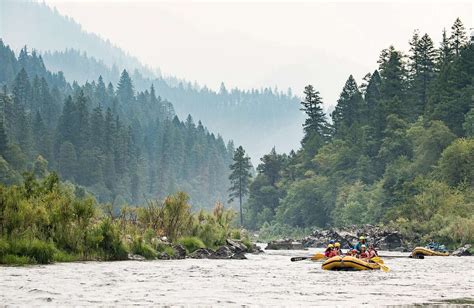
(265, 279)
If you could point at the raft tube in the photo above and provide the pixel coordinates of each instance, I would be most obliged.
(422, 251)
(348, 263)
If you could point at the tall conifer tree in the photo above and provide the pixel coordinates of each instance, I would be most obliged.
(240, 178)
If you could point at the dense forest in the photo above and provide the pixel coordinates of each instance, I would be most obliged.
(397, 149)
(122, 145)
(256, 118)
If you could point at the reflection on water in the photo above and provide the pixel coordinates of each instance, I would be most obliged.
(266, 279)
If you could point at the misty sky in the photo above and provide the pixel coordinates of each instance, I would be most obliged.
(284, 44)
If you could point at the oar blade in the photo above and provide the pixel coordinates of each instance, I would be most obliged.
(377, 260)
(294, 259)
(317, 256)
(384, 268)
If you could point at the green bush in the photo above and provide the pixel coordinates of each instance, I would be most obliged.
(141, 248)
(247, 243)
(61, 256)
(191, 243)
(169, 251)
(110, 242)
(4, 247)
(235, 234)
(42, 252)
(16, 260)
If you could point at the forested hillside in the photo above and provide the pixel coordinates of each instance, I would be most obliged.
(257, 118)
(399, 149)
(122, 145)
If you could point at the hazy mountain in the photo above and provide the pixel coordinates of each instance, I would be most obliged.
(36, 24)
(83, 56)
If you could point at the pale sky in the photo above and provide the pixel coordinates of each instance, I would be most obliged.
(266, 43)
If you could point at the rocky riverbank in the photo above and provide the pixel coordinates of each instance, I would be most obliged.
(234, 249)
(383, 238)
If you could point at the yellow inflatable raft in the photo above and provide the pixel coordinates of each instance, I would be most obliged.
(427, 252)
(348, 263)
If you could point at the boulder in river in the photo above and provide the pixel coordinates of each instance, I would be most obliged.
(223, 252)
(463, 251)
(180, 251)
(236, 245)
(239, 256)
(135, 257)
(284, 244)
(201, 253)
(163, 256)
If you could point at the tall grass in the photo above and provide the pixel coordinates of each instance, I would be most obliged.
(191, 243)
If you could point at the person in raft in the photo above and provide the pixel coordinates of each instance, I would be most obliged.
(337, 249)
(364, 254)
(372, 252)
(329, 251)
(360, 243)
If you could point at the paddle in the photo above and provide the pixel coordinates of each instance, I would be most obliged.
(317, 256)
(379, 261)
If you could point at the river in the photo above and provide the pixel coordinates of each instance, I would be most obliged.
(265, 279)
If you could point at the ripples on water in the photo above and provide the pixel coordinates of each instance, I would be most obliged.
(266, 279)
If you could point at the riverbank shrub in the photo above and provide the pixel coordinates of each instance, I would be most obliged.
(168, 250)
(10, 259)
(139, 247)
(45, 220)
(110, 243)
(40, 251)
(61, 256)
(4, 247)
(191, 243)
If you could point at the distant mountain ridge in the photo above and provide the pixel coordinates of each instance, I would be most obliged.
(46, 29)
(258, 118)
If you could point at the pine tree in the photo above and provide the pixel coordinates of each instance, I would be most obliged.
(350, 108)
(101, 92)
(271, 166)
(7, 65)
(97, 129)
(414, 52)
(67, 122)
(392, 73)
(47, 104)
(125, 90)
(82, 132)
(23, 58)
(240, 178)
(22, 88)
(376, 116)
(422, 72)
(458, 38)
(42, 140)
(153, 98)
(315, 125)
(445, 52)
(3, 138)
